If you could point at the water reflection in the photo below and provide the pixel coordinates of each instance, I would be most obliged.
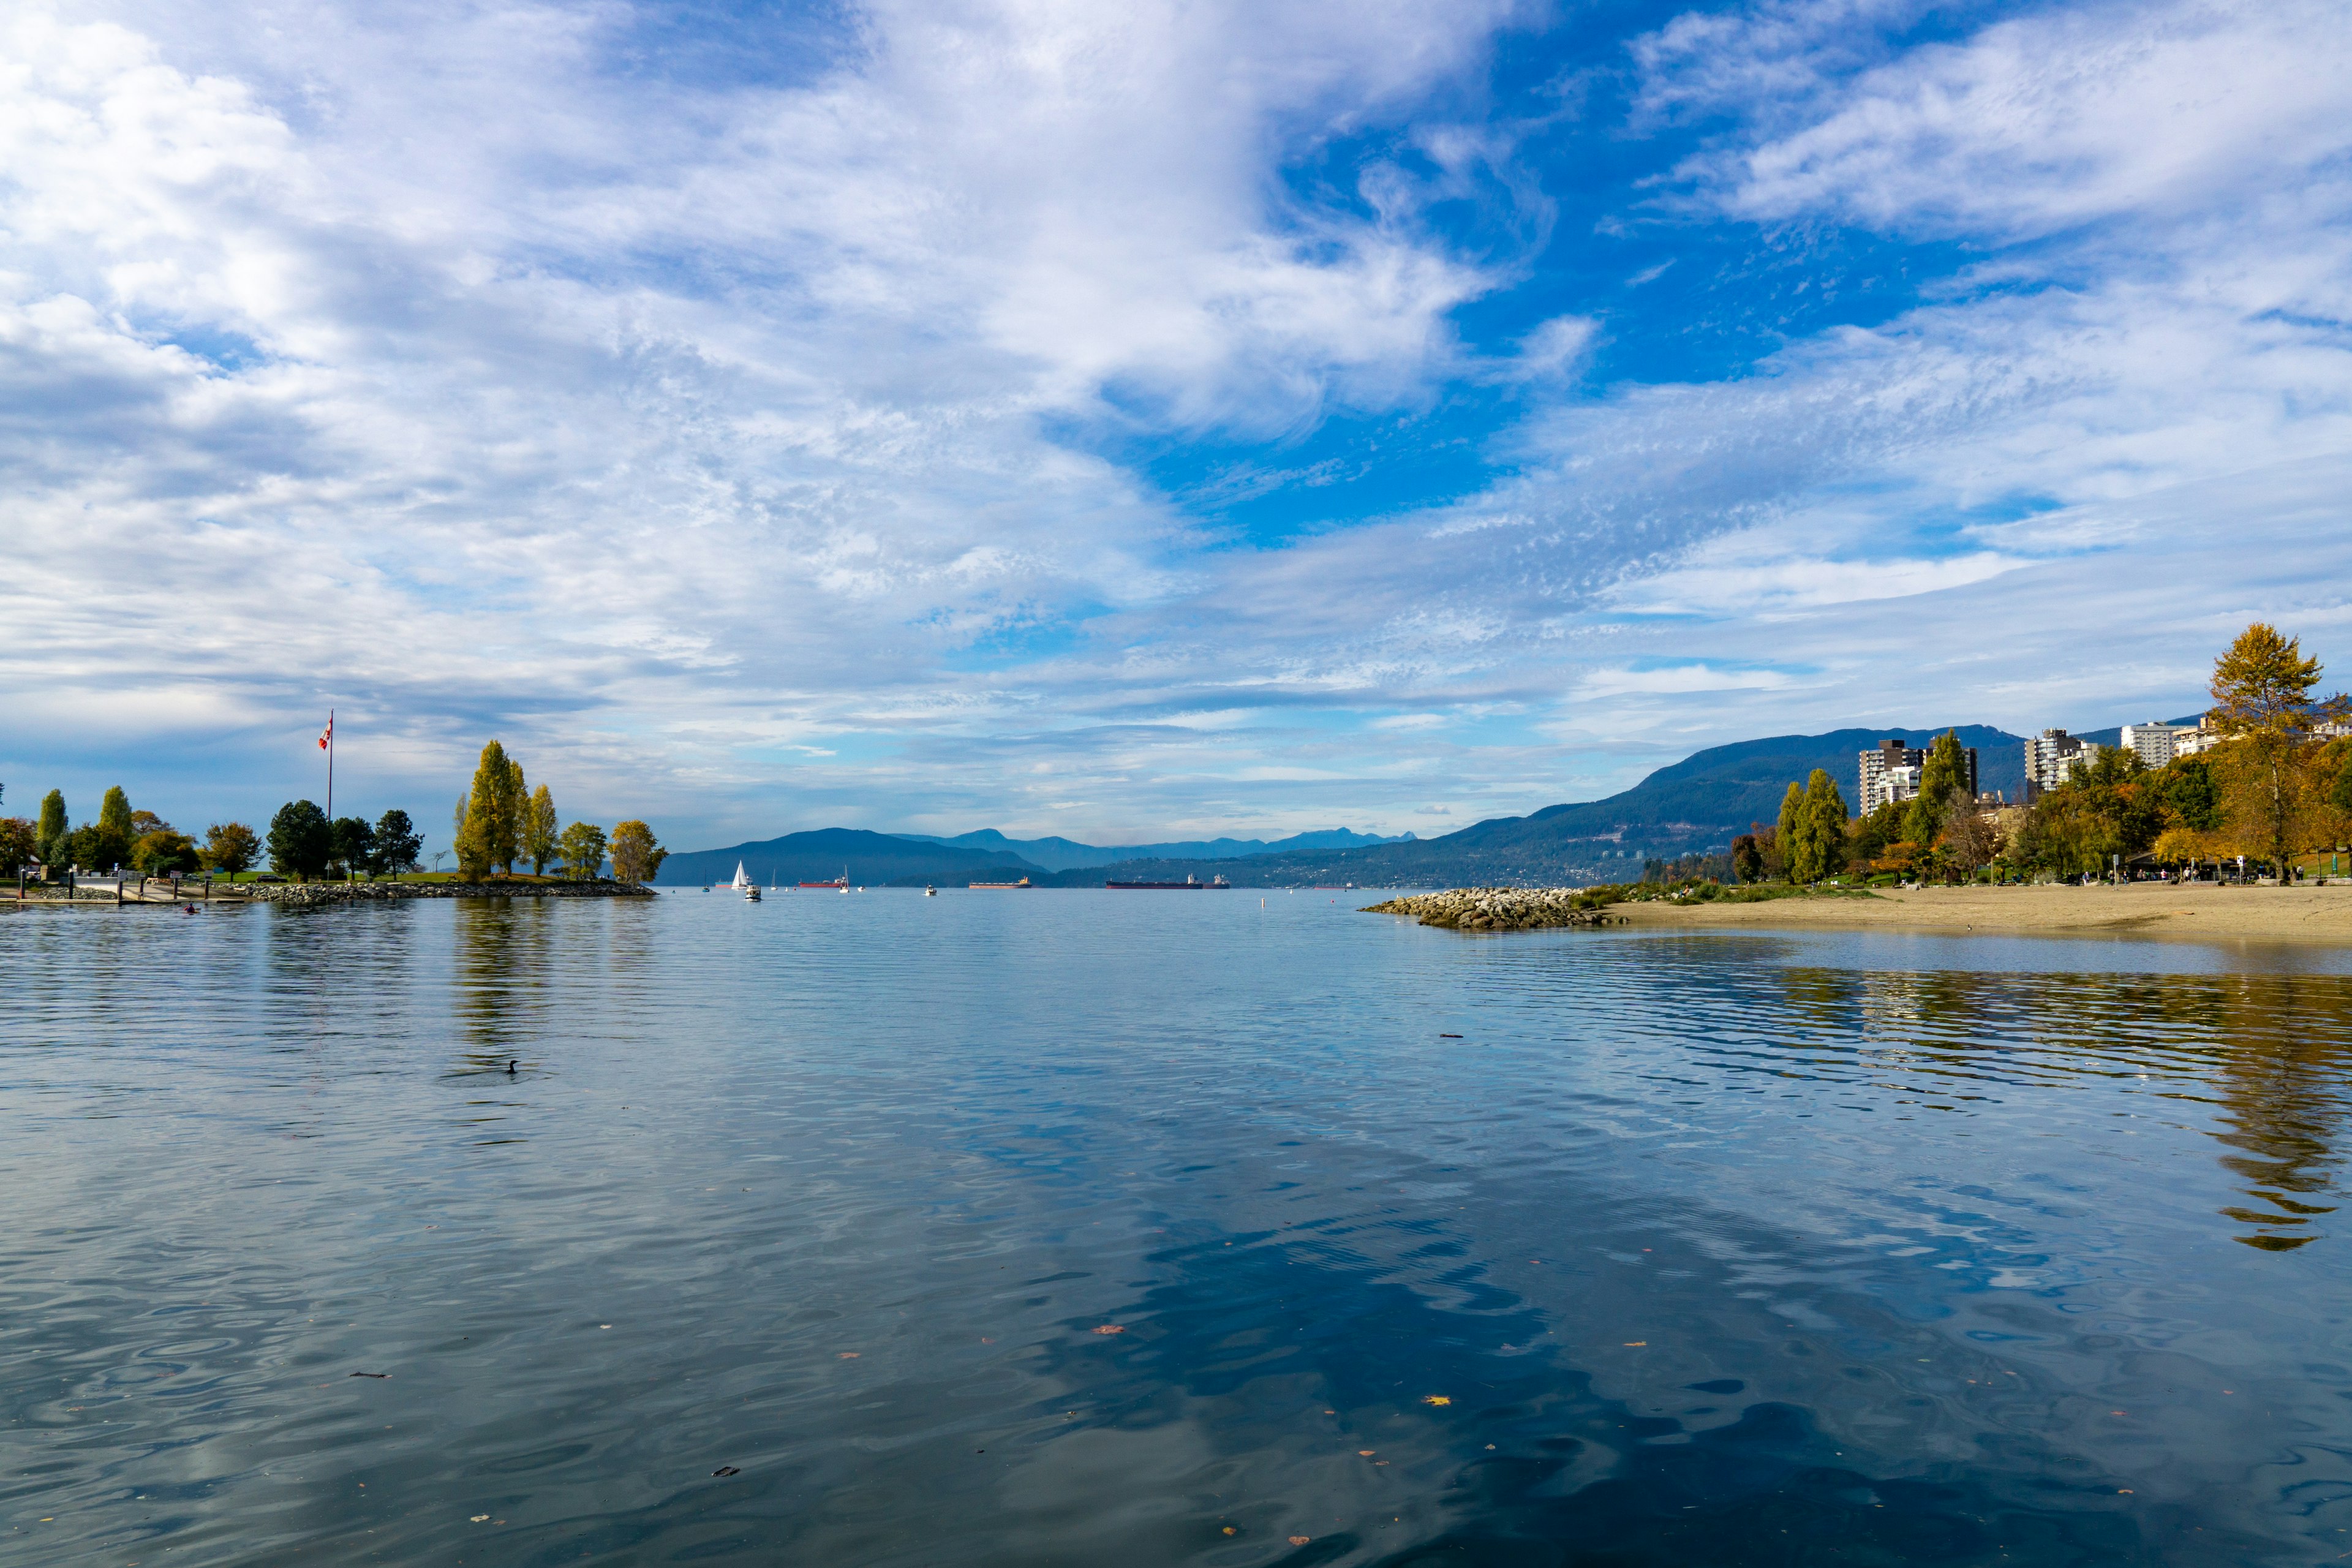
(2268, 1053)
(1072, 1230)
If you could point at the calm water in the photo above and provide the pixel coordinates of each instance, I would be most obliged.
(1691, 1249)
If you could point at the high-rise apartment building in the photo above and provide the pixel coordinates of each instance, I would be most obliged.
(2156, 744)
(2053, 757)
(1891, 770)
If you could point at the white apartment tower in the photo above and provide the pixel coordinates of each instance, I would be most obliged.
(2156, 744)
(1890, 771)
(2052, 758)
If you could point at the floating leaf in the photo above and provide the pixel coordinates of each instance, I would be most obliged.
(1366, 1453)
(479, 1518)
(1229, 1529)
(1112, 1328)
(725, 1471)
(1635, 1345)
(846, 1355)
(1437, 1399)
(1298, 1541)
(371, 1375)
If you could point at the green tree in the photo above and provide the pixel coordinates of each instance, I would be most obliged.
(540, 830)
(1944, 775)
(582, 850)
(354, 844)
(301, 840)
(1796, 835)
(397, 843)
(1825, 812)
(2263, 703)
(50, 835)
(490, 817)
(635, 857)
(229, 847)
(2189, 794)
(107, 842)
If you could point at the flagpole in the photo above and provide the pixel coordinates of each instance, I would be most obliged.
(331, 764)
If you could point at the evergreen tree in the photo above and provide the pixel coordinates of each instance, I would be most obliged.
(50, 836)
(1796, 835)
(539, 831)
(110, 843)
(300, 840)
(354, 844)
(1826, 819)
(490, 817)
(1944, 775)
(397, 844)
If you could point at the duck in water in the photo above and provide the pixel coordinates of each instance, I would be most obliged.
(510, 1064)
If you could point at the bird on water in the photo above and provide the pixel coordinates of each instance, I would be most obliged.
(510, 1063)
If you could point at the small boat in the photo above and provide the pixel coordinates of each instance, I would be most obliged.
(1021, 883)
(752, 894)
(931, 892)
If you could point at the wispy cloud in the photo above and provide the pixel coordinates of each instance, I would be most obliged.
(774, 428)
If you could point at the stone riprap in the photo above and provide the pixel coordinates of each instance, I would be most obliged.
(1497, 908)
(309, 895)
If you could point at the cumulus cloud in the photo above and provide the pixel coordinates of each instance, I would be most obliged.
(752, 432)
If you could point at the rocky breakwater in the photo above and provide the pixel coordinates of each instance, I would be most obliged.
(1501, 908)
(316, 895)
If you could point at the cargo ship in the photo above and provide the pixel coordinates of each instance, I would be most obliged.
(1187, 882)
(841, 886)
(1021, 883)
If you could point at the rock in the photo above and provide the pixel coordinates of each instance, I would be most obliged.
(1499, 908)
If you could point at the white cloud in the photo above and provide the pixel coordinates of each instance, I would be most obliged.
(705, 435)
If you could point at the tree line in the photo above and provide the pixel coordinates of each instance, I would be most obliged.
(2277, 784)
(499, 822)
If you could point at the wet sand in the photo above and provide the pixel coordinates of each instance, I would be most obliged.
(2140, 908)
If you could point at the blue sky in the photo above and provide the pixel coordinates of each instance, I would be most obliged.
(1149, 420)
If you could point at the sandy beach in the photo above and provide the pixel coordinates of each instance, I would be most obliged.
(2141, 908)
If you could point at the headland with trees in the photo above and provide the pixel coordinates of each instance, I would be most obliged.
(2270, 799)
(500, 824)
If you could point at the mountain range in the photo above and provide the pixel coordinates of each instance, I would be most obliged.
(1697, 805)
(1068, 854)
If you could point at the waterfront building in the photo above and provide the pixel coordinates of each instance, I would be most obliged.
(1890, 772)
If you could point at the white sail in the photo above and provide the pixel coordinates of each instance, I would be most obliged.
(741, 880)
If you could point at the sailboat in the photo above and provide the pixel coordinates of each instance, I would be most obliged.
(744, 885)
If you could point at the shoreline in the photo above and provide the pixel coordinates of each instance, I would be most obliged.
(157, 894)
(2196, 913)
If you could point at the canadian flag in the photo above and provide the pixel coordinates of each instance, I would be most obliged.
(327, 734)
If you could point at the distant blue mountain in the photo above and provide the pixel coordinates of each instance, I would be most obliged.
(1068, 854)
(1696, 804)
(872, 859)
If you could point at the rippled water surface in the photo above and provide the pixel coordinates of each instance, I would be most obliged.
(1063, 1227)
